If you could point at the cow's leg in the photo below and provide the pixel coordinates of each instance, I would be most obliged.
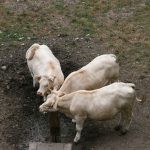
(79, 126)
(55, 88)
(127, 118)
(119, 126)
(45, 97)
(34, 82)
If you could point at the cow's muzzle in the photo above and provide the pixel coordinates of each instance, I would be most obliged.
(39, 94)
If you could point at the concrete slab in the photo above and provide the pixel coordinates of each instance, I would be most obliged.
(50, 146)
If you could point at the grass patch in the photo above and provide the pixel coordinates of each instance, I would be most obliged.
(15, 35)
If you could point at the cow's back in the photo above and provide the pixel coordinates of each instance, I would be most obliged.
(94, 75)
(103, 103)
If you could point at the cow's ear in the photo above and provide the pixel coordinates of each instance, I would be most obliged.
(51, 78)
(61, 94)
(37, 77)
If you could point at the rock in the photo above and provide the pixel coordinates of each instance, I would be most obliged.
(76, 39)
(89, 46)
(21, 38)
(8, 87)
(62, 35)
(10, 78)
(22, 44)
(3, 67)
(11, 56)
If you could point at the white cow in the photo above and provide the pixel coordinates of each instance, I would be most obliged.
(45, 69)
(99, 72)
(101, 104)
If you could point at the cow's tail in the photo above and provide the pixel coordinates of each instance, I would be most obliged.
(31, 51)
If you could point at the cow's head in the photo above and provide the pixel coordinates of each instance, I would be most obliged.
(49, 104)
(45, 84)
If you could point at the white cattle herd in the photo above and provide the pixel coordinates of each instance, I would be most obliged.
(90, 92)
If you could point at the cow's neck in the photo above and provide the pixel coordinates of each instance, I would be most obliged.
(64, 106)
(66, 87)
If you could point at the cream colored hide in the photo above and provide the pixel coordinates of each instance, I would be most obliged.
(44, 68)
(101, 104)
(99, 72)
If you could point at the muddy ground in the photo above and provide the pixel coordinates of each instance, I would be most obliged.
(76, 31)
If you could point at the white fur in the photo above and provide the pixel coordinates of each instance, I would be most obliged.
(101, 104)
(99, 72)
(39, 58)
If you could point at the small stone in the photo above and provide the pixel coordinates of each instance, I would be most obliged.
(8, 87)
(22, 44)
(89, 46)
(6, 83)
(76, 39)
(29, 38)
(21, 38)
(10, 78)
(20, 79)
(3, 67)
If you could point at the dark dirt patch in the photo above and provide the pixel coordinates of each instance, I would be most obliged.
(76, 32)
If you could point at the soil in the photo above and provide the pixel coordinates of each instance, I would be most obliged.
(20, 120)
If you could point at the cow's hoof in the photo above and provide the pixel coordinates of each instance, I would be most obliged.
(76, 140)
(117, 128)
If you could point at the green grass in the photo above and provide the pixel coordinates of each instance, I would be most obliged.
(15, 35)
(127, 35)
